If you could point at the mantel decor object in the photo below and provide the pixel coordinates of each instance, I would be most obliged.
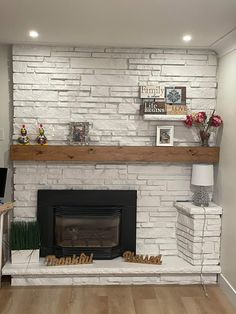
(41, 138)
(165, 136)
(204, 125)
(202, 177)
(152, 106)
(23, 139)
(175, 95)
(163, 101)
(52, 260)
(79, 133)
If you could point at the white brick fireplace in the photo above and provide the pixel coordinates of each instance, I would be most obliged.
(158, 186)
(58, 85)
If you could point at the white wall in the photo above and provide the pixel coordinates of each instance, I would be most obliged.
(225, 192)
(5, 110)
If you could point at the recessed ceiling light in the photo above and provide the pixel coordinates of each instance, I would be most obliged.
(33, 34)
(187, 38)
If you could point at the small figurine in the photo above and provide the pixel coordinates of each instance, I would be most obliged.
(41, 138)
(23, 139)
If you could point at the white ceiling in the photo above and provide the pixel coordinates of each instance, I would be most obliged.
(124, 23)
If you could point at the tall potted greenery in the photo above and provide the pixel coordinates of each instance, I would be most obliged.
(25, 242)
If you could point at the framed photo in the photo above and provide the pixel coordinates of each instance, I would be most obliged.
(79, 133)
(165, 136)
(175, 95)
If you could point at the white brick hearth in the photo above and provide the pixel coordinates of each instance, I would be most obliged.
(174, 270)
(58, 85)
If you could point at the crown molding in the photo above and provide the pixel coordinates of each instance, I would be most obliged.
(225, 44)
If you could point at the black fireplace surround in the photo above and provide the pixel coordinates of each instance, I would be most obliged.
(102, 222)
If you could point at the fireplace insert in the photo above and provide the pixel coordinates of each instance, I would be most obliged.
(102, 222)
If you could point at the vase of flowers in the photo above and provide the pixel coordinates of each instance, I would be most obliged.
(204, 125)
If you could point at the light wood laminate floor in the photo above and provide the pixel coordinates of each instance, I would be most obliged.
(113, 300)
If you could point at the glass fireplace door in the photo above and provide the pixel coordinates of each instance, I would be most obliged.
(87, 230)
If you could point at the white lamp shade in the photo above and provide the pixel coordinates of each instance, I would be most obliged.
(202, 174)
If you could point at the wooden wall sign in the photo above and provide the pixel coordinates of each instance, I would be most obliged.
(151, 106)
(176, 109)
(52, 260)
(169, 101)
(151, 91)
(130, 257)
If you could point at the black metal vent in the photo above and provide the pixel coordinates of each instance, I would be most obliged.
(87, 210)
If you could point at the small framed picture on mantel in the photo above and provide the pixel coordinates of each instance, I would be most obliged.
(79, 133)
(165, 136)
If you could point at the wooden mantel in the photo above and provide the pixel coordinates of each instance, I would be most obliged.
(115, 153)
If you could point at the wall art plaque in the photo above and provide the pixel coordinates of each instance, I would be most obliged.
(175, 95)
(152, 91)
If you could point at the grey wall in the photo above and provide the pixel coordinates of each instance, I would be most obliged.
(5, 110)
(225, 187)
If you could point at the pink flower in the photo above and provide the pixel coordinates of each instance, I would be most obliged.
(200, 117)
(188, 121)
(201, 121)
(216, 121)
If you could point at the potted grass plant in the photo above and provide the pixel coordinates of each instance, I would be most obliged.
(25, 242)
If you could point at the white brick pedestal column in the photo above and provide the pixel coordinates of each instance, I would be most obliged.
(197, 227)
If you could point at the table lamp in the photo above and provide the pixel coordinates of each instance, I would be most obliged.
(202, 177)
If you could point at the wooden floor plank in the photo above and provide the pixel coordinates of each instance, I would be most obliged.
(121, 305)
(171, 299)
(147, 306)
(143, 292)
(191, 305)
(95, 305)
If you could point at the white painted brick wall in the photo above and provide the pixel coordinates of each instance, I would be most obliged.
(198, 235)
(113, 280)
(156, 218)
(59, 85)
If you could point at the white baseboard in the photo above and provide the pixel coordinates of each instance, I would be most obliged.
(228, 289)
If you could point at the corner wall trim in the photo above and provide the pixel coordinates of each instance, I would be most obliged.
(228, 289)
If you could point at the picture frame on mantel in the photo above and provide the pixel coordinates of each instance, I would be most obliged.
(165, 136)
(79, 133)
